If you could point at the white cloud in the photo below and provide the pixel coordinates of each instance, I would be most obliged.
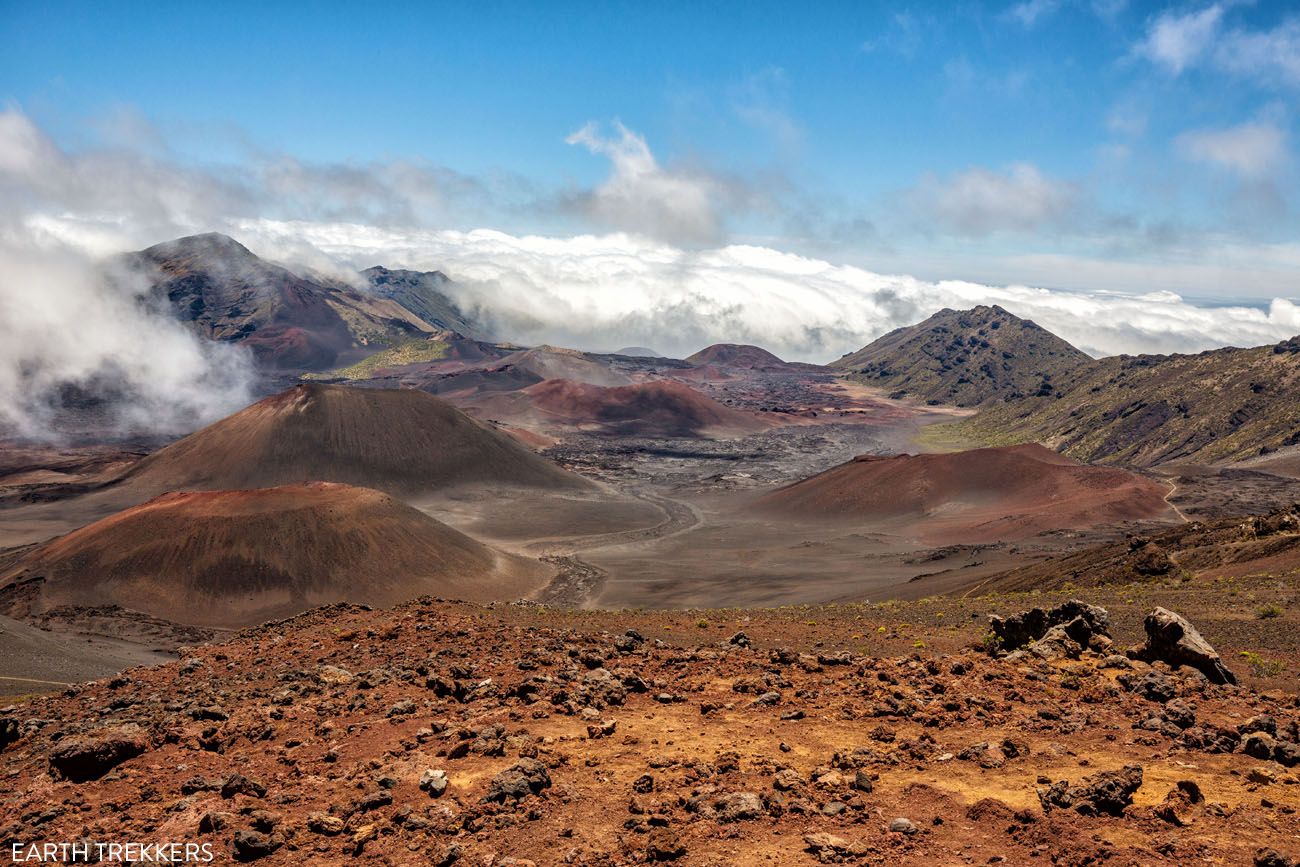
(1252, 150)
(1269, 54)
(643, 197)
(1177, 40)
(1030, 12)
(601, 292)
(981, 201)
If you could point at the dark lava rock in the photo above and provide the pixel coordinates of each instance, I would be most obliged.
(252, 845)
(1029, 626)
(89, 757)
(238, 784)
(1153, 686)
(525, 777)
(739, 807)
(1173, 640)
(1108, 792)
(8, 731)
(1271, 857)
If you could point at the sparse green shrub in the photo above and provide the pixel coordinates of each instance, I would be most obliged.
(1268, 612)
(1260, 666)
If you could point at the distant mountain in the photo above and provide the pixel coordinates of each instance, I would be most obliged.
(1216, 406)
(224, 292)
(735, 355)
(421, 293)
(638, 352)
(967, 358)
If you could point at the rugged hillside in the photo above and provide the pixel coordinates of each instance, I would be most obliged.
(984, 494)
(1215, 550)
(224, 292)
(967, 358)
(1217, 406)
(237, 558)
(421, 292)
(396, 440)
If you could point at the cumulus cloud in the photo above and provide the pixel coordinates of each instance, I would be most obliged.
(981, 201)
(606, 291)
(641, 196)
(1252, 150)
(1177, 41)
(1266, 54)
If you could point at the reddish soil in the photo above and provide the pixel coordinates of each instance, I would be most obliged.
(397, 440)
(989, 494)
(564, 739)
(234, 558)
(654, 409)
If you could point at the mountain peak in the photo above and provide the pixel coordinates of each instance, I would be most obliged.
(204, 244)
(966, 357)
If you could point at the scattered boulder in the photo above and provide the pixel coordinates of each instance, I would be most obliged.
(739, 807)
(238, 784)
(8, 731)
(525, 777)
(830, 848)
(433, 782)
(1177, 805)
(89, 757)
(325, 824)
(1171, 639)
(1108, 792)
(1087, 625)
(903, 825)
(252, 845)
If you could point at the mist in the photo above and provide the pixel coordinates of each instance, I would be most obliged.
(72, 323)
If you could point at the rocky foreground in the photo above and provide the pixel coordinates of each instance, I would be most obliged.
(442, 733)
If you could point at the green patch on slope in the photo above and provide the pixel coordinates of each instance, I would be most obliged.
(409, 352)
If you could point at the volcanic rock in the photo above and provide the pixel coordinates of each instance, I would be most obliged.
(1171, 639)
(525, 777)
(89, 757)
(1107, 792)
(1079, 620)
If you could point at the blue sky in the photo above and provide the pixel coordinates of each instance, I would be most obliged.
(1105, 146)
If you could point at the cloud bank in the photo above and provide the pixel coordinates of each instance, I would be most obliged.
(605, 291)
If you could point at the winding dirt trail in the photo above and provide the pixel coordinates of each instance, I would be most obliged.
(579, 582)
(1173, 489)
